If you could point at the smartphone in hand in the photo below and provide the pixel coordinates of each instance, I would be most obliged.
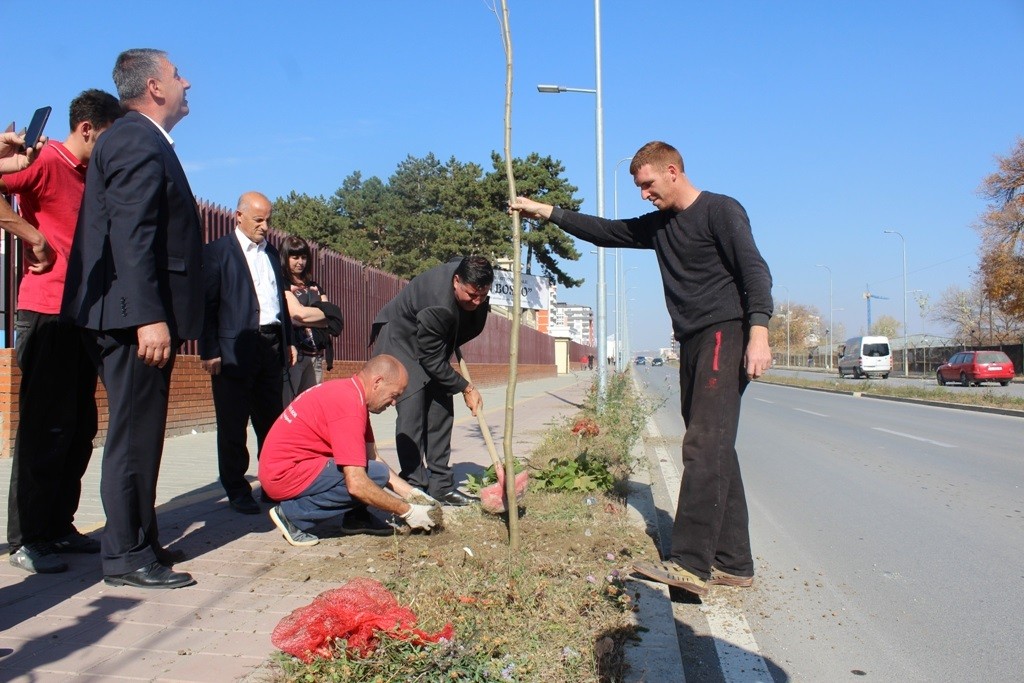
(35, 128)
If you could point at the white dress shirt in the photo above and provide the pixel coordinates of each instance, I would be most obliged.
(262, 278)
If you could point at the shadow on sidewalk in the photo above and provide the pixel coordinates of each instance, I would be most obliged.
(72, 610)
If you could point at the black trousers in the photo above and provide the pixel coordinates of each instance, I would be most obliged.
(423, 439)
(56, 428)
(137, 396)
(239, 397)
(711, 524)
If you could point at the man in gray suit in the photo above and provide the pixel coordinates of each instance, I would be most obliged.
(422, 327)
(135, 286)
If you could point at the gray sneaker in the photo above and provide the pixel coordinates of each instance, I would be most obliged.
(38, 558)
(292, 533)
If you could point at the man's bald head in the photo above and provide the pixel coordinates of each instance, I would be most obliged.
(384, 379)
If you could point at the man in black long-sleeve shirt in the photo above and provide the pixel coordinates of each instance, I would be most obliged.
(718, 292)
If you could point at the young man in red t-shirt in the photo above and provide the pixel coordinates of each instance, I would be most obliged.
(320, 457)
(57, 404)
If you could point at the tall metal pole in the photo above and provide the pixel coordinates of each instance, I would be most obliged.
(620, 283)
(830, 336)
(602, 294)
(602, 325)
(906, 330)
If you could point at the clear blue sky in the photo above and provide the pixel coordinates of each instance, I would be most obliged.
(829, 121)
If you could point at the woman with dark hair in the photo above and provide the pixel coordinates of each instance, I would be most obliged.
(301, 295)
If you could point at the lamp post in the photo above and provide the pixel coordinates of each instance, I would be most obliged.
(829, 337)
(602, 338)
(905, 330)
(788, 315)
(620, 282)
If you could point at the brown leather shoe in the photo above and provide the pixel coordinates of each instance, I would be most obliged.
(672, 574)
(721, 578)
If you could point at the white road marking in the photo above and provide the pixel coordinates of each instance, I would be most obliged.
(915, 438)
(763, 400)
(738, 653)
(811, 412)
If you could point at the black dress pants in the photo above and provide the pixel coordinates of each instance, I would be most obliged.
(137, 396)
(241, 395)
(711, 524)
(423, 439)
(56, 428)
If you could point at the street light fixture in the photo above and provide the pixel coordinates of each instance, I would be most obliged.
(829, 338)
(905, 330)
(620, 281)
(602, 337)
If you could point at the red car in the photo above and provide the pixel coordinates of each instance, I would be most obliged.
(975, 367)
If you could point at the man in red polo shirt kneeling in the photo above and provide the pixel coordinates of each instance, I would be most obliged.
(320, 459)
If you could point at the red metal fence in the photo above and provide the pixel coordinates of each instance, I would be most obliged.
(359, 291)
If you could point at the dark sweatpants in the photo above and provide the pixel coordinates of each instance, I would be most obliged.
(56, 427)
(423, 439)
(711, 519)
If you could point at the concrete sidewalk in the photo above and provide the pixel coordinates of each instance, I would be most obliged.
(59, 626)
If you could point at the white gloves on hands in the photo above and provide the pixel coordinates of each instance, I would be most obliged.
(418, 517)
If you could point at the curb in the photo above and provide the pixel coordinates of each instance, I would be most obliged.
(656, 657)
(1009, 412)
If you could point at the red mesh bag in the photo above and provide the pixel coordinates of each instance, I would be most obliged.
(357, 611)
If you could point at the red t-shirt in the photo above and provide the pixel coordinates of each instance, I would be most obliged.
(49, 197)
(329, 420)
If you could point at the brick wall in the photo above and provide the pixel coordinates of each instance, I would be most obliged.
(191, 406)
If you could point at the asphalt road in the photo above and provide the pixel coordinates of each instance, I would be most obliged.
(887, 538)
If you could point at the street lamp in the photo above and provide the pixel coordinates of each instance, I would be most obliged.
(905, 330)
(602, 339)
(788, 316)
(829, 337)
(620, 282)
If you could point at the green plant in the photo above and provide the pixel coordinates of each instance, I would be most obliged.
(599, 441)
(576, 474)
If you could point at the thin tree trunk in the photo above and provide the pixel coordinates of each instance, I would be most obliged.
(513, 346)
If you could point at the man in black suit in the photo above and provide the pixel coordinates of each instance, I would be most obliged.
(437, 312)
(246, 344)
(134, 284)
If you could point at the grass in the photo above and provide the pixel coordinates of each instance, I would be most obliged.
(984, 397)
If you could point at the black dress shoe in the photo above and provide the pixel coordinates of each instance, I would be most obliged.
(152, 576)
(169, 558)
(360, 521)
(456, 498)
(245, 504)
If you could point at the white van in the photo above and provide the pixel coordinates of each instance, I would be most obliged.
(865, 357)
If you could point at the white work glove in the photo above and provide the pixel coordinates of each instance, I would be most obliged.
(419, 497)
(418, 517)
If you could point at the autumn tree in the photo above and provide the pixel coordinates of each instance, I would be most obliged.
(886, 326)
(974, 318)
(802, 322)
(1002, 234)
